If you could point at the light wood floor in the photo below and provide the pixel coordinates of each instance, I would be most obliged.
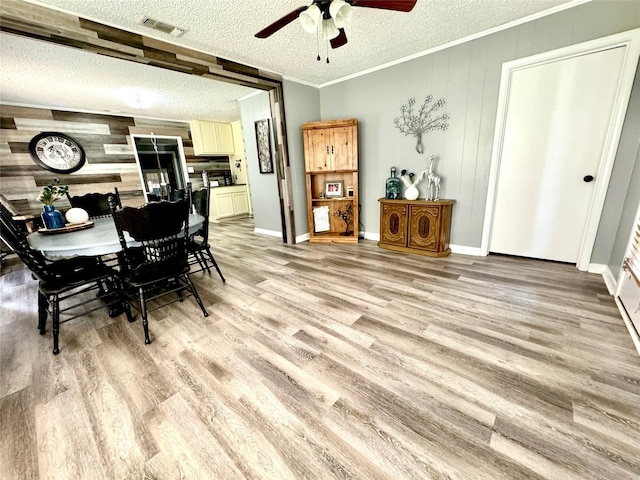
(323, 361)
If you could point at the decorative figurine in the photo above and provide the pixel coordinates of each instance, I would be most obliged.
(433, 185)
(393, 186)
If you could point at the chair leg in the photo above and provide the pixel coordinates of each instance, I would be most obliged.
(215, 264)
(178, 292)
(201, 261)
(123, 298)
(143, 312)
(55, 329)
(43, 306)
(193, 290)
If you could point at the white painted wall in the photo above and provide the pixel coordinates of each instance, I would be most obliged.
(264, 187)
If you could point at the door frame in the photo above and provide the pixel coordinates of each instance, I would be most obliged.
(631, 41)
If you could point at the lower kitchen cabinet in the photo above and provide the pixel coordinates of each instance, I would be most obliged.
(416, 226)
(228, 201)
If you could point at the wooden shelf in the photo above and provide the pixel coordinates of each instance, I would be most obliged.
(331, 154)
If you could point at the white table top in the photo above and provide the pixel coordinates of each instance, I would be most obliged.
(101, 239)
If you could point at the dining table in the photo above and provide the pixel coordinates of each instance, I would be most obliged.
(99, 239)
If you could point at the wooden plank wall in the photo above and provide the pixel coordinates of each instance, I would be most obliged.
(107, 143)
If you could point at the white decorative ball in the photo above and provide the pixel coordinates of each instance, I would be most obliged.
(76, 215)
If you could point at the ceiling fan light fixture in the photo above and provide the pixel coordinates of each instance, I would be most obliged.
(329, 29)
(341, 12)
(310, 18)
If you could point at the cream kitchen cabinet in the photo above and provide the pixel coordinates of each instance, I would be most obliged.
(228, 202)
(212, 138)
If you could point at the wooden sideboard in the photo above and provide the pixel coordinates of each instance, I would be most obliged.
(416, 226)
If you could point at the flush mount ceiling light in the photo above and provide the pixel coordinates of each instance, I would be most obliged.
(329, 17)
(163, 27)
(140, 100)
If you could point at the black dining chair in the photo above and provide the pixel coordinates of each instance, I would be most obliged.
(28, 223)
(61, 280)
(96, 204)
(157, 263)
(199, 247)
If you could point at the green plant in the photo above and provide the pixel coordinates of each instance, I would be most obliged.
(52, 192)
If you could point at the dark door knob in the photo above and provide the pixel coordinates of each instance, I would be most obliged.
(588, 178)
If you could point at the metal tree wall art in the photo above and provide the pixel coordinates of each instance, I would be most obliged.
(423, 121)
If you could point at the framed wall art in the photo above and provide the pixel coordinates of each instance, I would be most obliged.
(263, 142)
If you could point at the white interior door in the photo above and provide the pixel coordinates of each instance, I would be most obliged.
(556, 125)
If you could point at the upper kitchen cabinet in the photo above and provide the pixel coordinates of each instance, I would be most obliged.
(331, 145)
(212, 138)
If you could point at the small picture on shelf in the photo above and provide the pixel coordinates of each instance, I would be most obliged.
(350, 191)
(334, 189)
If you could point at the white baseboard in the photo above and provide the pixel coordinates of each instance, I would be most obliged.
(454, 248)
(464, 250)
(635, 337)
(596, 268)
(610, 281)
(604, 270)
(372, 236)
(302, 238)
(271, 233)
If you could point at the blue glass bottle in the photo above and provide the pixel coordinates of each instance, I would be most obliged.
(51, 217)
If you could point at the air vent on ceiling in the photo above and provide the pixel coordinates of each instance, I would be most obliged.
(163, 27)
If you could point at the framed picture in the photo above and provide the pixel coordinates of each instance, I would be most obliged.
(350, 191)
(263, 141)
(334, 188)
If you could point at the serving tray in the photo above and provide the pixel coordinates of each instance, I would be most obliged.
(69, 228)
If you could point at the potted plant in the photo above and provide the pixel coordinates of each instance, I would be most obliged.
(51, 217)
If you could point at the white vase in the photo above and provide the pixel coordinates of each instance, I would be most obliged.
(411, 193)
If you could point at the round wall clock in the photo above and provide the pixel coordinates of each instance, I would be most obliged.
(56, 152)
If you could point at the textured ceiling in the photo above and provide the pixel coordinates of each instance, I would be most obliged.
(39, 73)
(226, 28)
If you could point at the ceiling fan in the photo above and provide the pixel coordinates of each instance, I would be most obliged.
(329, 17)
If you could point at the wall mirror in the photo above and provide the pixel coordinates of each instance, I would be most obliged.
(162, 165)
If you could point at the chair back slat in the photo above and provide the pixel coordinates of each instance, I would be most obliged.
(200, 201)
(158, 229)
(96, 204)
(15, 238)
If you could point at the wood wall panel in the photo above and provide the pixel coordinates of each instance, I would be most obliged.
(38, 125)
(107, 143)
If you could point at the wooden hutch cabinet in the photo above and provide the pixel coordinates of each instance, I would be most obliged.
(331, 155)
(416, 226)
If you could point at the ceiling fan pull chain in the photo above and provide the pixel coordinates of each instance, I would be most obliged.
(327, 47)
(318, 43)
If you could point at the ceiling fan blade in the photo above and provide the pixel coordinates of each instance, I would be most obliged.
(278, 24)
(340, 40)
(397, 5)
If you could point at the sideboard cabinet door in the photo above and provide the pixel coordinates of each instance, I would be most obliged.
(394, 224)
(424, 227)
